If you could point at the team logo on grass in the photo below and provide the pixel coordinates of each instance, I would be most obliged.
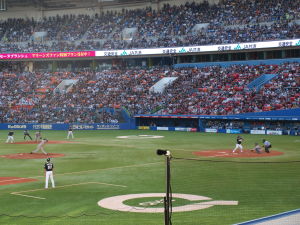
(139, 136)
(139, 203)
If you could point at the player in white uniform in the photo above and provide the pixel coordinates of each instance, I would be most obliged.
(41, 147)
(49, 173)
(70, 133)
(38, 136)
(256, 148)
(238, 144)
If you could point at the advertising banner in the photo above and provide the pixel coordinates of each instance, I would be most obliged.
(234, 131)
(188, 129)
(48, 55)
(143, 127)
(211, 130)
(162, 128)
(257, 132)
(274, 132)
(64, 126)
(202, 48)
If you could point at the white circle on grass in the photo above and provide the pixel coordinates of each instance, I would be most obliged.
(116, 203)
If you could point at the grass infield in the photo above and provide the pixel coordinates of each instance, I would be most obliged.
(99, 165)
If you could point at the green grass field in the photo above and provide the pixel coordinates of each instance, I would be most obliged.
(98, 162)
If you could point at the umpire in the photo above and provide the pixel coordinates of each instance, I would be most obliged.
(26, 133)
(267, 145)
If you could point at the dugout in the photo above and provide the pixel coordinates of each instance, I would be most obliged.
(279, 122)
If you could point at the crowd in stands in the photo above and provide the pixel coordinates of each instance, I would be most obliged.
(212, 90)
(223, 91)
(229, 21)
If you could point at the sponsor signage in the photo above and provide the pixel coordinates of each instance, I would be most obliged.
(202, 48)
(143, 127)
(107, 126)
(42, 127)
(16, 126)
(257, 132)
(233, 131)
(274, 132)
(48, 55)
(154, 51)
(65, 126)
(211, 130)
(188, 129)
(162, 128)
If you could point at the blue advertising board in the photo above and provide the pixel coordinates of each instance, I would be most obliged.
(65, 126)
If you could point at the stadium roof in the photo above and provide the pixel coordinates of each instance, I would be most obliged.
(68, 4)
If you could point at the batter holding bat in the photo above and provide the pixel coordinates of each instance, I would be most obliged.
(238, 145)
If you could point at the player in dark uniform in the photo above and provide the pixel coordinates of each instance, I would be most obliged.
(49, 172)
(238, 144)
(26, 134)
(10, 137)
(70, 133)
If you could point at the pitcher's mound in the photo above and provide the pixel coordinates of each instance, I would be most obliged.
(228, 153)
(32, 156)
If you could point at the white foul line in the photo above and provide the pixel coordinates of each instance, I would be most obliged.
(83, 171)
(29, 196)
(110, 168)
(68, 185)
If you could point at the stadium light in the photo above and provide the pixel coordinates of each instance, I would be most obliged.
(3, 5)
(163, 152)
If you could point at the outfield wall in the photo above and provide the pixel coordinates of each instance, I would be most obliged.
(279, 122)
(65, 126)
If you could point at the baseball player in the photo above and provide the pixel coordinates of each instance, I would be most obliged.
(38, 136)
(49, 173)
(10, 137)
(238, 144)
(256, 148)
(70, 133)
(26, 134)
(41, 147)
(267, 145)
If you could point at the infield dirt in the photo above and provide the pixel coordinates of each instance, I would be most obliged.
(228, 154)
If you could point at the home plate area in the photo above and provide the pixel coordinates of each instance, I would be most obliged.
(228, 153)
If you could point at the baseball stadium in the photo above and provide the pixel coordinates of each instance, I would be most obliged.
(149, 112)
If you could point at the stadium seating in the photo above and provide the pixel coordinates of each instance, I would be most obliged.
(168, 27)
(211, 90)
